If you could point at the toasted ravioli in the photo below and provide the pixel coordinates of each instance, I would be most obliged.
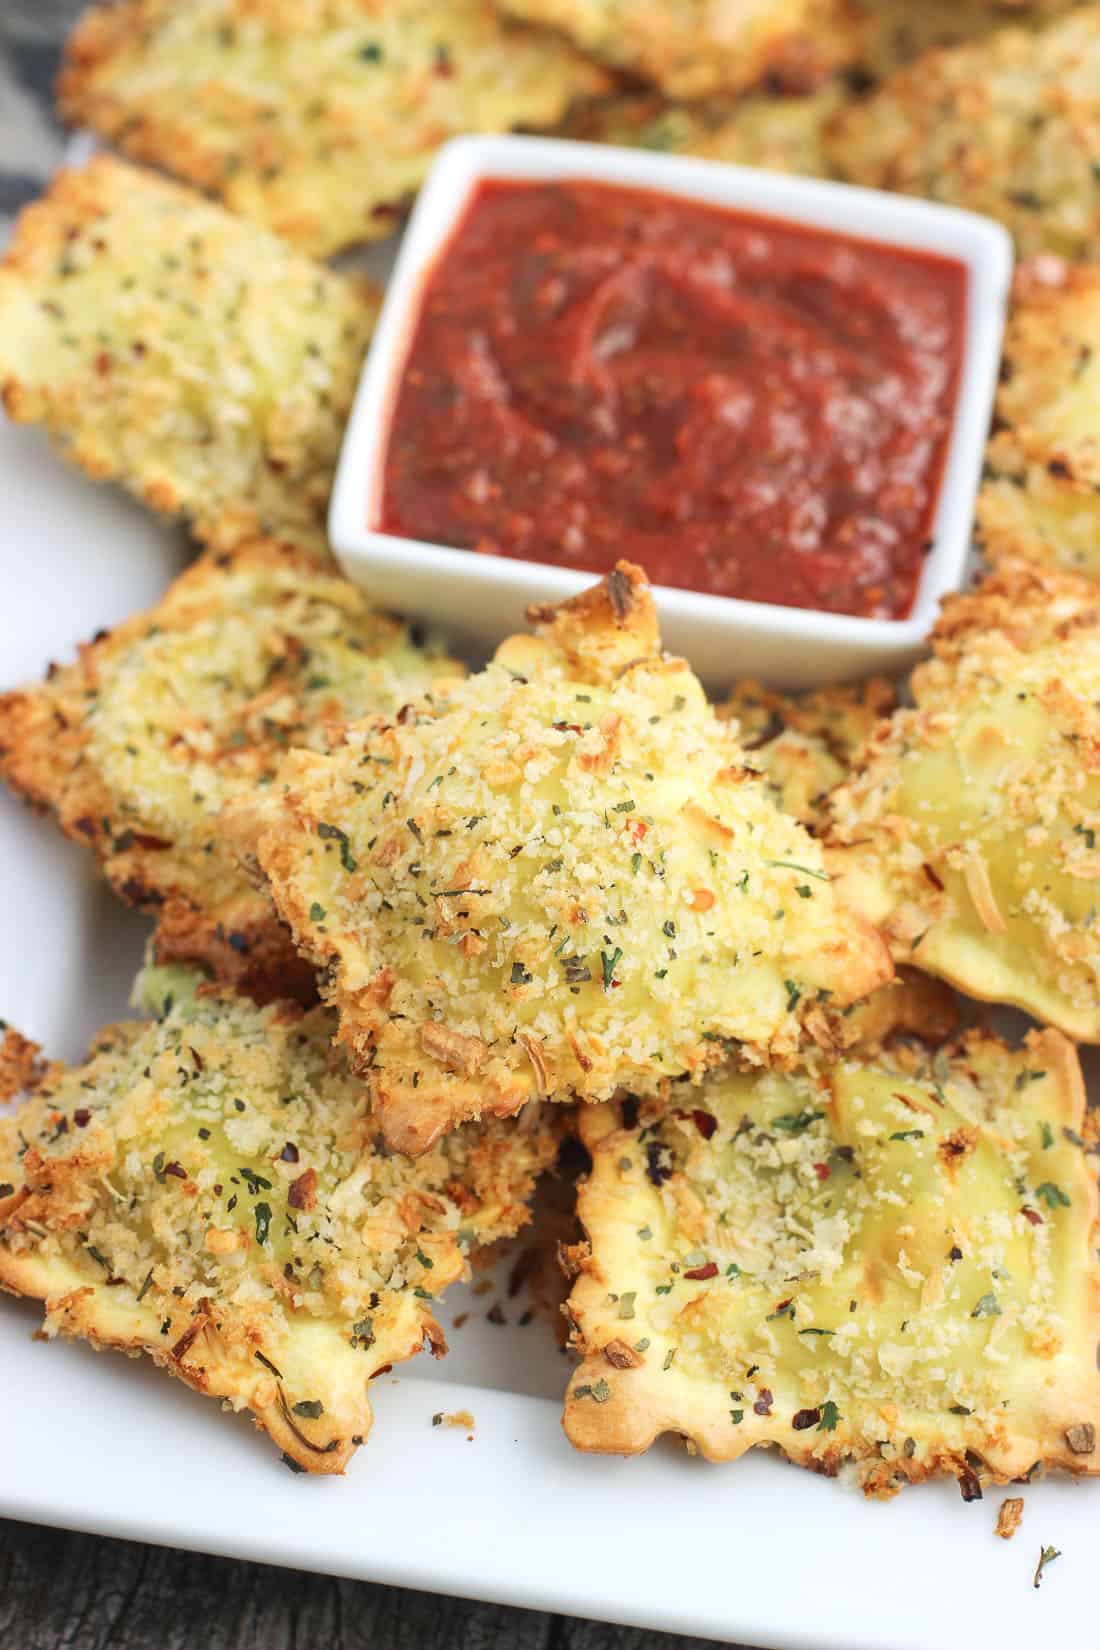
(209, 1190)
(561, 878)
(1008, 126)
(806, 745)
(691, 48)
(169, 346)
(897, 31)
(138, 744)
(969, 830)
(889, 1261)
(780, 134)
(1041, 498)
(316, 118)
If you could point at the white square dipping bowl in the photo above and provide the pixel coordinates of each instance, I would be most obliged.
(481, 598)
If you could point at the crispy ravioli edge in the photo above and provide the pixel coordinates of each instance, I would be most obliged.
(644, 1402)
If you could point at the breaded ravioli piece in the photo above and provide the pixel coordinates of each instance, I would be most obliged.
(170, 346)
(805, 745)
(1008, 126)
(137, 745)
(888, 1260)
(969, 831)
(316, 118)
(780, 134)
(691, 48)
(897, 31)
(561, 878)
(1041, 496)
(209, 1189)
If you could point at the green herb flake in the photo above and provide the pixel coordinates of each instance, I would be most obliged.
(316, 912)
(600, 1392)
(1053, 1196)
(519, 975)
(988, 1307)
(1046, 1134)
(645, 1233)
(830, 1415)
(311, 1408)
(263, 1221)
(794, 992)
(609, 966)
(796, 1122)
(737, 1416)
(333, 833)
(635, 864)
(908, 1134)
(1047, 1555)
(626, 1304)
(255, 1182)
(806, 870)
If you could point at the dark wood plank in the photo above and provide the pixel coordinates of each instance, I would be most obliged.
(62, 1591)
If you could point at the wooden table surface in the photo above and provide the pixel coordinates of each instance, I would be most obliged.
(63, 1591)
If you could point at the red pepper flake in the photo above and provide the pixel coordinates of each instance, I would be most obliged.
(705, 1122)
(933, 876)
(764, 1401)
(303, 1191)
(804, 1418)
(969, 1487)
(700, 1273)
(1033, 1215)
(82, 1117)
(177, 1169)
(822, 1171)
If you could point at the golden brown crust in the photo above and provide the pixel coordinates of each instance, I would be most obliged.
(557, 878)
(1039, 500)
(169, 346)
(779, 134)
(805, 745)
(1006, 126)
(694, 48)
(785, 1263)
(969, 830)
(209, 1191)
(316, 118)
(136, 746)
(22, 1066)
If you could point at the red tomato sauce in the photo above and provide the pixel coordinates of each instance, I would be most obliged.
(743, 405)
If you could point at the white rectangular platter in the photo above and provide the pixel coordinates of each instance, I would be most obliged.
(758, 1554)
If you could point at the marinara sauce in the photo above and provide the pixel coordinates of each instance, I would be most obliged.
(745, 406)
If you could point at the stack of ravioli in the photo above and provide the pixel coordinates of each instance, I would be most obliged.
(411, 924)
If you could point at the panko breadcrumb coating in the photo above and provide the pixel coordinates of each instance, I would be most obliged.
(1009, 126)
(888, 1260)
(1041, 496)
(316, 118)
(806, 745)
(167, 345)
(209, 1190)
(562, 878)
(692, 48)
(136, 746)
(897, 31)
(780, 134)
(969, 831)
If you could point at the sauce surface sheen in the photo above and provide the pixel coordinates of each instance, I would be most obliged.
(746, 406)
